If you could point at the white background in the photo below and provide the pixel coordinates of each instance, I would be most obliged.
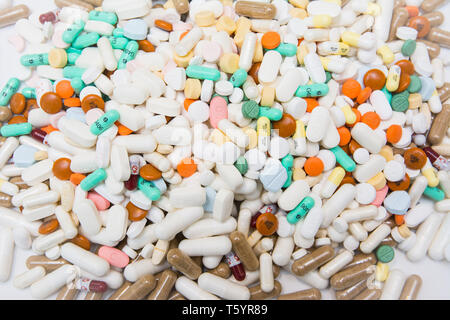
(435, 275)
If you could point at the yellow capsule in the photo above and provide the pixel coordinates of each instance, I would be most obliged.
(350, 38)
(350, 116)
(299, 3)
(387, 153)
(302, 51)
(373, 9)
(252, 137)
(227, 24)
(381, 271)
(393, 78)
(386, 54)
(321, 21)
(300, 131)
(259, 53)
(378, 181)
(183, 62)
(263, 131)
(243, 26)
(205, 18)
(431, 176)
(336, 176)
(229, 62)
(267, 96)
(298, 13)
(415, 100)
(192, 88)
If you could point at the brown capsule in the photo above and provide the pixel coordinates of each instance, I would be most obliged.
(440, 36)
(256, 292)
(81, 241)
(222, 270)
(68, 292)
(5, 200)
(149, 172)
(350, 276)
(48, 226)
(411, 288)
(439, 126)
(444, 92)
(399, 3)
(433, 48)
(74, 3)
(430, 5)
(140, 289)
(361, 258)
(11, 15)
(435, 18)
(93, 296)
(369, 294)
(146, 46)
(353, 146)
(46, 263)
(135, 213)
(399, 19)
(244, 251)
(18, 181)
(183, 263)
(255, 10)
(182, 6)
(351, 292)
(17, 103)
(313, 260)
(198, 261)
(276, 271)
(309, 294)
(96, 3)
(164, 25)
(121, 291)
(165, 285)
(175, 295)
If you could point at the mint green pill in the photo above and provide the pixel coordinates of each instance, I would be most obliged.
(17, 129)
(385, 254)
(238, 78)
(300, 210)
(415, 85)
(73, 72)
(73, 50)
(77, 85)
(86, 40)
(33, 60)
(8, 91)
(272, 113)
(434, 193)
(241, 165)
(149, 189)
(250, 109)
(343, 159)
(93, 180)
(128, 54)
(286, 49)
(118, 42)
(312, 90)
(202, 73)
(288, 162)
(118, 32)
(29, 93)
(105, 122)
(72, 58)
(408, 47)
(387, 94)
(108, 17)
(70, 34)
(400, 102)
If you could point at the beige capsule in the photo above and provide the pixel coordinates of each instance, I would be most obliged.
(5, 200)
(165, 285)
(222, 270)
(255, 10)
(313, 260)
(244, 251)
(430, 5)
(74, 3)
(46, 263)
(18, 181)
(399, 19)
(411, 288)
(93, 296)
(309, 294)
(361, 258)
(96, 3)
(256, 292)
(68, 292)
(435, 18)
(444, 92)
(182, 6)
(121, 291)
(351, 292)
(440, 36)
(11, 15)
(5, 112)
(175, 295)
(140, 289)
(369, 294)
(433, 48)
(183, 263)
(351, 276)
(439, 126)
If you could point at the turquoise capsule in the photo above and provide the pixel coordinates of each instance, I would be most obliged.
(118, 32)
(17, 129)
(343, 159)
(77, 85)
(288, 162)
(434, 193)
(387, 94)
(312, 90)
(33, 60)
(73, 50)
(201, 72)
(149, 189)
(105, 122)
(8, 91)
(93, 180)
(73, 72)
(86, 40)
(272, 113)
(29, 93)
(300, 210)
(72, 58)
(238, 78)
(286, 49)
(118, 42)
(108, 17)
(70, 34)
(128, 54)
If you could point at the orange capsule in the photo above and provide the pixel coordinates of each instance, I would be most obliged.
(146, 46)
(399, 219)
(81, 241)
(48, 226)
(72, 102)
(353, 145)
(267, 224)
(149, 172)
(164, 25)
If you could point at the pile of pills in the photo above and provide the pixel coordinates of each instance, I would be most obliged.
(191, 150)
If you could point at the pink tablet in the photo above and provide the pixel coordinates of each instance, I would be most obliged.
(115, 257)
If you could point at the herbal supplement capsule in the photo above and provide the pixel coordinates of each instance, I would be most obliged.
(369, 294)
(309, 294)
(183, 263)
(362, 258)
(430, 5)
(312, 260)
(300, 210)
(440, 36)
(165, 284)
(49, 265)
(105, 122)
(433, 48)
(244, 251)
(399, 19)
(350, 276)
(68, 292)
(93, 180)
(9, 90)
(257, 294)
(18, 129)
(222, 270)
(182, 6)
(256, 10)
(351, 292)
(129, 53)
(11, 15)
(175, 295)
(33, 60)
(121, 291)
(435, 18)
(74, 3)
(5, 200)
(141, 288)
(411, 288)
(439, 126)
(91, 295)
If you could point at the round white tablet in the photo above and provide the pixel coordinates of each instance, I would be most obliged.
(365, 193)
(394, 171)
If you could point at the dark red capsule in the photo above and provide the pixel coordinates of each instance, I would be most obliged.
(47, 17)
(438, 161)
(236, 267)
(39, 134)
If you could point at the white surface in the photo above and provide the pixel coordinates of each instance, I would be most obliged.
(435, 275)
